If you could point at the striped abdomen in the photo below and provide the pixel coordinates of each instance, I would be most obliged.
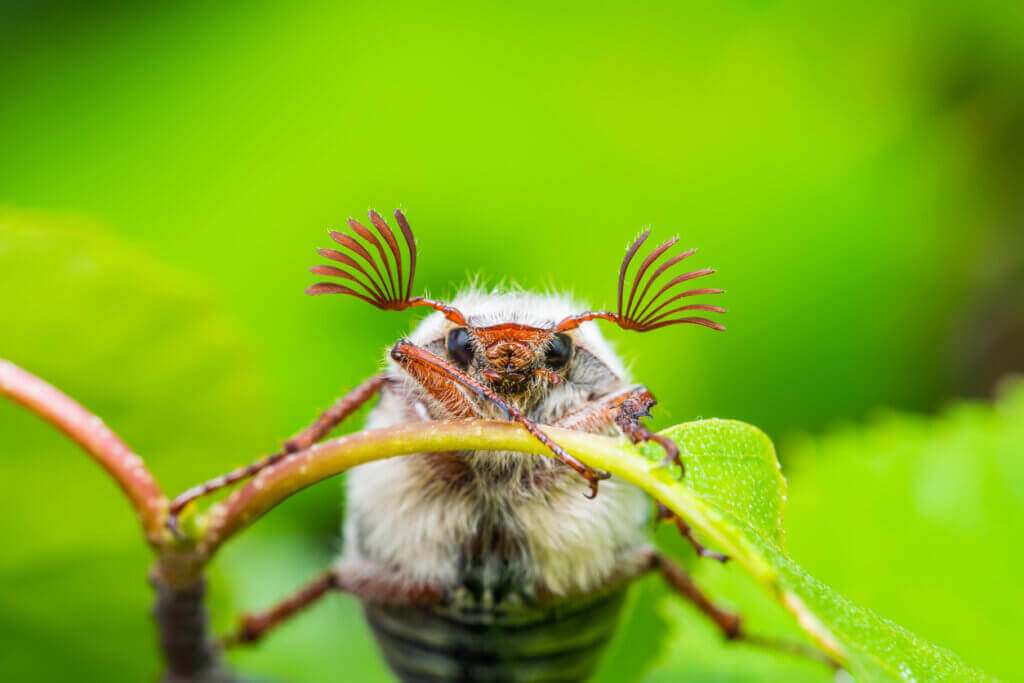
(560, 642)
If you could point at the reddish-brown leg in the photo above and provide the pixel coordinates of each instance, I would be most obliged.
(370, 584)
(442, 379)
(253, 626)
(625, 410)
(680, 581)
(728, 623)
(327, 421)
(336, 414)
(630, 411)
(665, 514)
(598, 416)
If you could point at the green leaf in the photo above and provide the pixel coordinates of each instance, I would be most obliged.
(734, 493)
(931, 510)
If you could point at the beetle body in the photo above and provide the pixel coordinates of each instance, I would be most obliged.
(531, 570)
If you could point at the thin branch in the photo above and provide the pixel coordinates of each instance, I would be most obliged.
(89, 432)
(307, 467)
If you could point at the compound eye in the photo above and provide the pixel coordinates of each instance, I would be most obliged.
(559, 352)
(460, 347)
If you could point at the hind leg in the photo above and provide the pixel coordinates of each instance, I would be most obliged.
(729, 623)
(369, 583)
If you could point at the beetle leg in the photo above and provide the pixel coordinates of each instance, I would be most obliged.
(327, 421)
(370, 584)
(625, 410)
(336, 414)
(625, 407)
(639, 405)
(729, 623)
(253, 626)
(665, 514)
(598, 416)
(442, 379)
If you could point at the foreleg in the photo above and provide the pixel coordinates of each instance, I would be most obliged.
(330, 419)
(623, 409)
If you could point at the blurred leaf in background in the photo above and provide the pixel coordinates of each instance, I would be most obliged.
(143, 347)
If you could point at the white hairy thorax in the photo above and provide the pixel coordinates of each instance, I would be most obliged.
(507, 518)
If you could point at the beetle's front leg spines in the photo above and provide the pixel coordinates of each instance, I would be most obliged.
(628, 419)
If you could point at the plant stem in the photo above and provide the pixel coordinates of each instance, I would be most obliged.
(179, 609)
(305, 468)
(180, 615)
(89, 432)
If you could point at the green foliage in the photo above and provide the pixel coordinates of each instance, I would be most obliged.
(732, 469)
(142, 347)
(930, 513)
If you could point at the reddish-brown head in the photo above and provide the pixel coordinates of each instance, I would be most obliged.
(512, 357)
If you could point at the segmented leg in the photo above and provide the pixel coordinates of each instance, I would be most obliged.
(625, 410)
(598, 416)
(370, 584)
(439, 377)
(630, 411)
(252, 627)
(727, 622)
(665, 514)
(323, 425)
(730, 624)
(336, 414)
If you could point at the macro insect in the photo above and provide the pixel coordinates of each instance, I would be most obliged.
(494, 565)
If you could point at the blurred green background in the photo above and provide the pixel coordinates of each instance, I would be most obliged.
(856, 174)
